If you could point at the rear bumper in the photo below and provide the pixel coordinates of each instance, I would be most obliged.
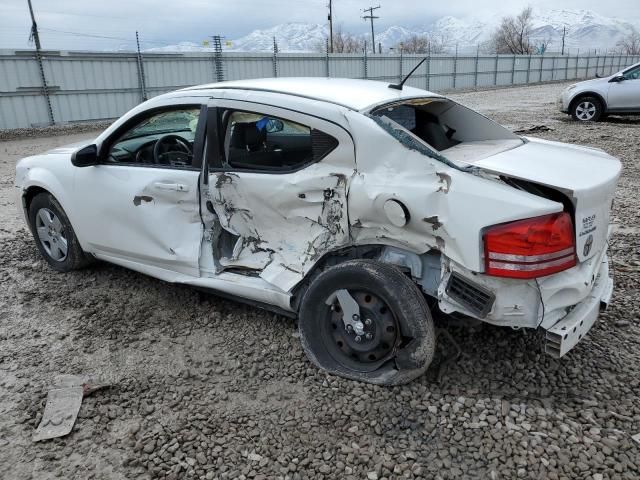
(566, 333)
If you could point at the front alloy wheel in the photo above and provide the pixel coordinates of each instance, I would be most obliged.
(54, 235)
(51, 234)
(587, 109)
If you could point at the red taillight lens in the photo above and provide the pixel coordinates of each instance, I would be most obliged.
(530, 248)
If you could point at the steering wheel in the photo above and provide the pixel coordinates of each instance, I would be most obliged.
(162, 149)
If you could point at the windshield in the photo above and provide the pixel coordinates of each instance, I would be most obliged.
(166, 122)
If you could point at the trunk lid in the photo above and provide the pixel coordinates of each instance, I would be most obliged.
(587, 176)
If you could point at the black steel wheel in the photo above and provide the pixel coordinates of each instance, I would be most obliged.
(369, 348)
(366, 320)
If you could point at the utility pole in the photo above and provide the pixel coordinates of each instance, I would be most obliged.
(372, 18)
(34, 28)
(330, 18)
(143, 86)
(564, 34)
(36, 39)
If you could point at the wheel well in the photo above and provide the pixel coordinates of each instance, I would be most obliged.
(587, 94)
(329, 260)
(418, 270)
(29, 194)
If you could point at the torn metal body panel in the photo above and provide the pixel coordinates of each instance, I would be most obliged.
(462, 204)
(285, 222)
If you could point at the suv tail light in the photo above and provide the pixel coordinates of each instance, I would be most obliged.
(530, 248)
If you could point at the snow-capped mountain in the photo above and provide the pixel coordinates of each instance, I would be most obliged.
(585, 30)
(291, 37)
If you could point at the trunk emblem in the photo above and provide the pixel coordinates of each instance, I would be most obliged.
(587, 245)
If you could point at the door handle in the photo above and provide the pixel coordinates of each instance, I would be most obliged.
(178, 187)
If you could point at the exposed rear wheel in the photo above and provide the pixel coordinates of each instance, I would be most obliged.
(587, 109)
(367, 321)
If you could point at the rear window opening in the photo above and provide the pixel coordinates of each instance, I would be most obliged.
(456, 132)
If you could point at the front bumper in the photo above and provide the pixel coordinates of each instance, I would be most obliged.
(563, 103)
(567, 332)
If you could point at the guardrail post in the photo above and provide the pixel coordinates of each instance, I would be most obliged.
(218, 65)
(541, 65)
(326, 59)
(513, 70)
(586, 73)
(274, 58)
(475, 73)
(365, 61)
(455, 68)
(429, 69)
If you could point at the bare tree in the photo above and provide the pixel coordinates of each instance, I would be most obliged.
(630, 44)
(514, 34)
(423, 44)
(344, 42)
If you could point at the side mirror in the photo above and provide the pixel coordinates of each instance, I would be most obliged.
(85, 157)
(617, 79)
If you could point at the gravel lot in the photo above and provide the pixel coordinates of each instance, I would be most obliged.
(208, 388)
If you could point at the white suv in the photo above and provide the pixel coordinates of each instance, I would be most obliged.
(593, 100)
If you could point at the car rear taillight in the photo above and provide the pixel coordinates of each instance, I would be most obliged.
(530, 248)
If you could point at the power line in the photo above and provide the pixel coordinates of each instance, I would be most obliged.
(372, 18)
(106, 37)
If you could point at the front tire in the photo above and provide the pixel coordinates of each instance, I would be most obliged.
(587, 109)
(54, 235)
(395, 341)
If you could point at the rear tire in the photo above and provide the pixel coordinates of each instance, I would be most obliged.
(397, 340)
(54, 235)
(587, 109)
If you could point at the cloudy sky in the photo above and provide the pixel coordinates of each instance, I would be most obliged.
(86, 24)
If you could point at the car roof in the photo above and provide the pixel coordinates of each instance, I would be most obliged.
(351, 93)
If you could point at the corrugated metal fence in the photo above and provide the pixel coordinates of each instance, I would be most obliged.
(86, 86)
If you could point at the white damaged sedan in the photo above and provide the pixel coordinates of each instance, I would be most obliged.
(359, 207)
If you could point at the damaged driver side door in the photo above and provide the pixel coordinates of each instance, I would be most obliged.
(277, 185)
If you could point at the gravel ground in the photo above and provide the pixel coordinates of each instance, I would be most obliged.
(207, 388)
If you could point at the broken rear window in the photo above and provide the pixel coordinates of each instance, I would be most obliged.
(458, 133)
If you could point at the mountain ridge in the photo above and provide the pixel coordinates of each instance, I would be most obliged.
(586, 30)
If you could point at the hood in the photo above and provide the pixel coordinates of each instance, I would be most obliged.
(559, 165)
(69, 149)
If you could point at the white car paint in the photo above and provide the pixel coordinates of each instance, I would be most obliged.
(619, 93)
(153, 220)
